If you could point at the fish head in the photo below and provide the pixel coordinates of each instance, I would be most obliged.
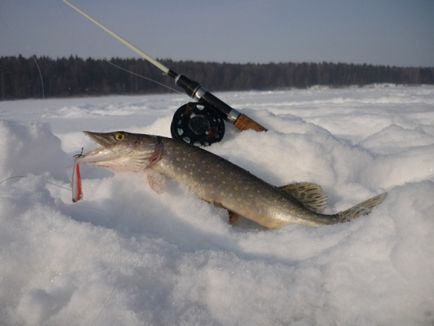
(122, 151)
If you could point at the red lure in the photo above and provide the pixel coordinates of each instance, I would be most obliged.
(77, 192)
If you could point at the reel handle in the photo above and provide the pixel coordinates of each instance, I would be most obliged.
(244, 123)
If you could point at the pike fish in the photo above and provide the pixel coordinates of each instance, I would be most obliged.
(219, 181)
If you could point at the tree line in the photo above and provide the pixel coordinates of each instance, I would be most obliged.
(35, 77)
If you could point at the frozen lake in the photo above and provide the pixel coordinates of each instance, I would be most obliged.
(125, 255)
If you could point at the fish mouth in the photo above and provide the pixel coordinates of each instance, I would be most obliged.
(101, 155)
(118, 151)
(100, 138)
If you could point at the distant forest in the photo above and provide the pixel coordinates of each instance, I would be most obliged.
(37, 77)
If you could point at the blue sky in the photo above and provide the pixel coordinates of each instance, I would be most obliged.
(390, 32)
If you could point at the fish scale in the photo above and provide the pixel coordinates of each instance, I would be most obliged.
(218, 181)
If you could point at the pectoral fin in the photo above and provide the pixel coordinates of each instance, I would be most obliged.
(156, 181)
(310, 195)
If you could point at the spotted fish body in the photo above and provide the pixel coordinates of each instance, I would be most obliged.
(219, 181)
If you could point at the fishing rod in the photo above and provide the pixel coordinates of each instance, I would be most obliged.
(196, 121)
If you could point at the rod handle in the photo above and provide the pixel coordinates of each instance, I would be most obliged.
(244, 123)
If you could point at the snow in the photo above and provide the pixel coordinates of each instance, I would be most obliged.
(128, 256)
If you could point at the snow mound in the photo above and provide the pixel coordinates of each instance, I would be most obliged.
(26, 149)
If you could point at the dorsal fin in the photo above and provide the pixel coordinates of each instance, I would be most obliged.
(310, 195)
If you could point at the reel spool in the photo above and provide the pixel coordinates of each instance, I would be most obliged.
(197, 123)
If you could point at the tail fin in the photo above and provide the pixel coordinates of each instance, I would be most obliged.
(363, 208)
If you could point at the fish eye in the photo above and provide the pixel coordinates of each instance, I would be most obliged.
(119, 136)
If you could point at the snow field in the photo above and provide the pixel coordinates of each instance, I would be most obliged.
(128, 256)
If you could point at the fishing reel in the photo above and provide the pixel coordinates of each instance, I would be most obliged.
(198, 123)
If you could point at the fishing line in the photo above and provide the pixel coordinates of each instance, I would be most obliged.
(40, 76)
(24, 176)
(59, 186)
(143, 77)
(13, 177)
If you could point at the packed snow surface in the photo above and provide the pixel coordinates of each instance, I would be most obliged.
(125, 255)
